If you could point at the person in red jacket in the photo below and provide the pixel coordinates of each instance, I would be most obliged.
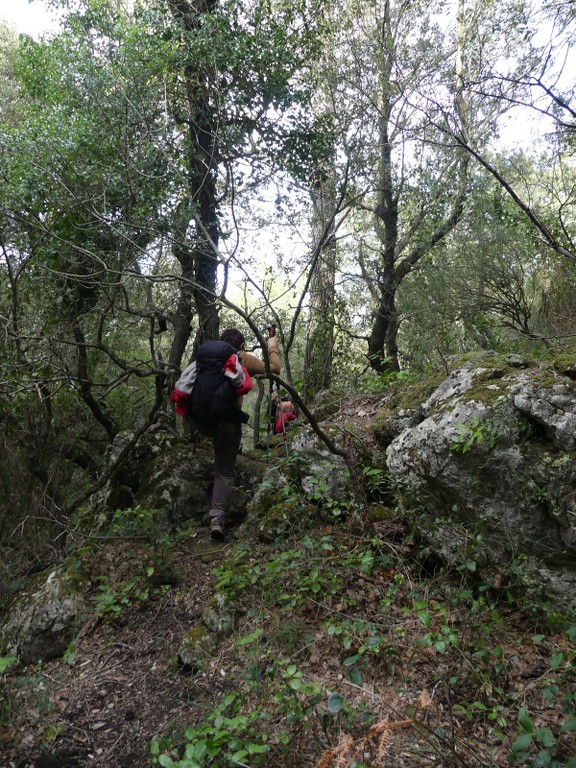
(229, 435)
(283, 412)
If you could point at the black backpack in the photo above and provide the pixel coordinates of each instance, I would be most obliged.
(213, 398)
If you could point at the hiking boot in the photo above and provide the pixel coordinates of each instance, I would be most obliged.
(217, 530)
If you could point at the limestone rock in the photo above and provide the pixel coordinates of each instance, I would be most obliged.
(492, 466)
(45, 618)
(219, 620)
(552, 407)
(197, 648)
(168, 474)
(320, 470)
(220, 616)
(164, 473)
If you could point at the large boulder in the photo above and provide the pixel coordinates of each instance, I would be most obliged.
(491, 468)
(321, 472)
(46, 616)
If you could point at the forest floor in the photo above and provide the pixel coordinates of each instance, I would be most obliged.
(348, 651)
(434, 684)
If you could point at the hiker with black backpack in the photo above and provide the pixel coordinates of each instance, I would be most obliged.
(210, 393)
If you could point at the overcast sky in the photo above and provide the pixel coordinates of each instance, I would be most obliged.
(32, 18)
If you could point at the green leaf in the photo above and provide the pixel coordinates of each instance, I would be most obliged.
(5, 662)
(351, 660)
(545, 737)
(522, 743)
(424, 617)
(200, 749)
(569, 725)
(355, 677)
(525, 720)
(165, 761)
(544, 760)
(258, 749)
(335, 702)
(556, 660)
(228, 700)
(249, 639)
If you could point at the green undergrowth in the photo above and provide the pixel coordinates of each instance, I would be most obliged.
(347, 652)
(344, 649)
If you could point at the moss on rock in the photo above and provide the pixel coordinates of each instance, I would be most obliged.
(197, 648)
(45, 617)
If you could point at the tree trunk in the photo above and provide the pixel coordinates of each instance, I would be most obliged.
(181, 319)
(202, 156)
(382, 343)
(203, 195)
(320, 339)
(85, 383)
(383, 340)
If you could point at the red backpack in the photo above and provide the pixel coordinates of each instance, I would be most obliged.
(285, 412)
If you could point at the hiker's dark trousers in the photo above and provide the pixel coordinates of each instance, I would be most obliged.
(226, 447)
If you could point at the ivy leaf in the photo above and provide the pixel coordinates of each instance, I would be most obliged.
(522, 743)
(335, 703)
(355, 677)
(525, 720)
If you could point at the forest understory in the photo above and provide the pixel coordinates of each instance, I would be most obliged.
(382, 188)
(348, 651)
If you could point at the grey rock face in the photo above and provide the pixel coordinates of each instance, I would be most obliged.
(553, 408)
(493, 467)
(170, 475)
(219, 620)
(164, 474)
(44, 620)
(319, 468)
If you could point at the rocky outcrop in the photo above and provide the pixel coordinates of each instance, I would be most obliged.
(163, 473)
(172, 476)
(219, 620)
(294, 494)
(491, 468)
(45, 617)
(165, 476)
(482, 462)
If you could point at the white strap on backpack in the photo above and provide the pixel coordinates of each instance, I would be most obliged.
(186, 381)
